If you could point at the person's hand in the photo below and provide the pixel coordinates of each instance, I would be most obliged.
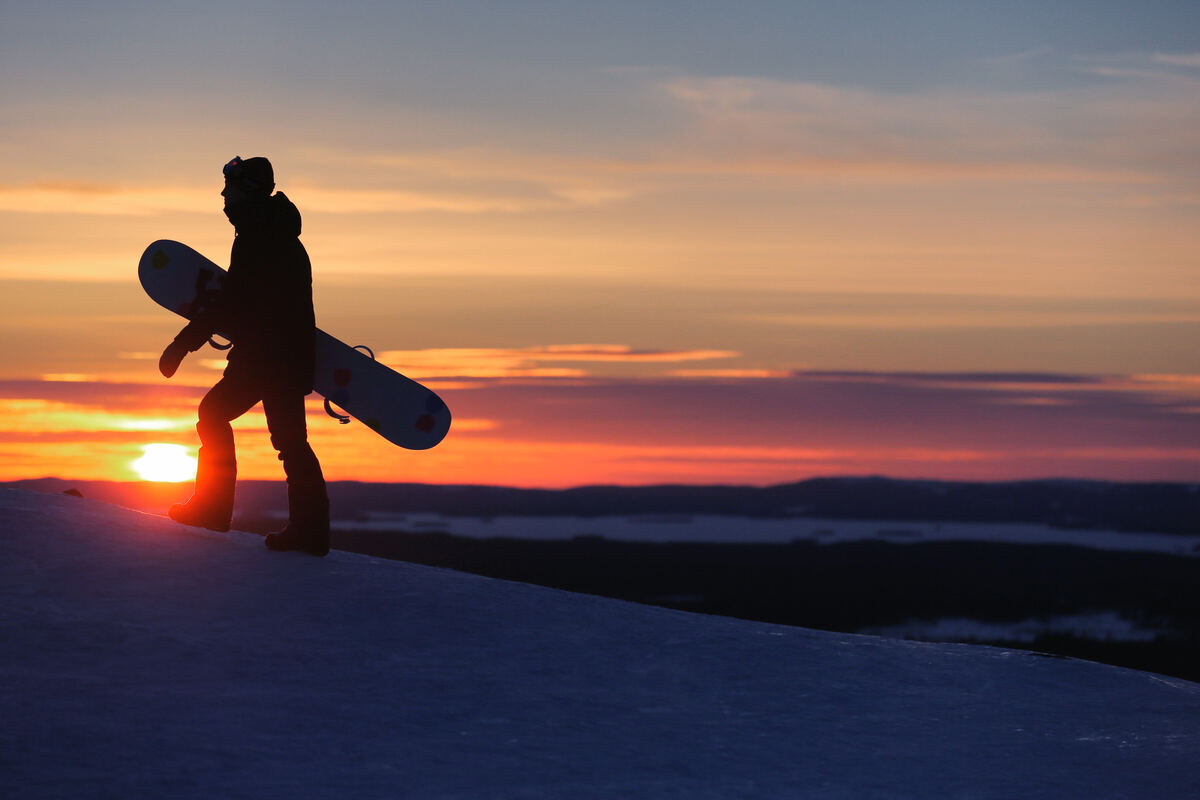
(171, 358)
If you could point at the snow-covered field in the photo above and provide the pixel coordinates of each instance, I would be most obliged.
(146, 659)
(711, 528)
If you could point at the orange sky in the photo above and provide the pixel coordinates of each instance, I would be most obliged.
(760, 430)
(627, 256)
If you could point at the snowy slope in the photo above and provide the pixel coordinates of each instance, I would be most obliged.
(145, 659)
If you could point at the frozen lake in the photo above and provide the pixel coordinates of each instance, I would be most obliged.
(727, 529)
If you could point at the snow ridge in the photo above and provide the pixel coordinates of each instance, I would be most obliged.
(147, 659)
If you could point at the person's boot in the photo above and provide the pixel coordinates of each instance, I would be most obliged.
(211, 504)
(310, 537)
(307, 528)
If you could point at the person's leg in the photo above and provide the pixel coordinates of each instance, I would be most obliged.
(211, 505)
(308, 502)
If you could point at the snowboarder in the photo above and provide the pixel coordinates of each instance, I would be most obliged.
(266, 307)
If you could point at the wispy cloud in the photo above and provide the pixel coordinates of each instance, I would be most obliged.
(1071, 135)
(111, 397)
(994, 380)
(996, 318)
(50, 197)
(1178, 59)
(736, 374)
(743, 125)
(341, 201)
(129, 200)
(532, 362)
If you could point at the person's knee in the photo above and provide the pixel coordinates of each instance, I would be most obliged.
(208, 413)
(213, 428)
(291, 444)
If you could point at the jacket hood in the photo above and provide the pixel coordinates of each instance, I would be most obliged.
(276, 214)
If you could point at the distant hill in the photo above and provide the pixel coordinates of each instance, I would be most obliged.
(1158, 507)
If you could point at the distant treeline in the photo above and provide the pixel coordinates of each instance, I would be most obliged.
(1158, 507)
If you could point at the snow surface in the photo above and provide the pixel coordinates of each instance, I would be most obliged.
(1098, 626)
(146, 659)
(745, 530)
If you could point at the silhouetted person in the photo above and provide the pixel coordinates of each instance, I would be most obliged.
(266, 310)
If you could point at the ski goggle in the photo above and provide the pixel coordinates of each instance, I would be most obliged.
(235, 171)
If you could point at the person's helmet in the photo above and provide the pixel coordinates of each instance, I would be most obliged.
(254, 176)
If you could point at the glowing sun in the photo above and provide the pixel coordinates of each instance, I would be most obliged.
(169, 463)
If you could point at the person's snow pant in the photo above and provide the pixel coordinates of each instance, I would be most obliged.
(235, 394)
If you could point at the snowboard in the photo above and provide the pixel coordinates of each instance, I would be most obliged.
(397, 408)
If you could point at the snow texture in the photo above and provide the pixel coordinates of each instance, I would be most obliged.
(1102, 625)
(146, 659)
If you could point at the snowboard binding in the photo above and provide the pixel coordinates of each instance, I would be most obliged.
(344, 419)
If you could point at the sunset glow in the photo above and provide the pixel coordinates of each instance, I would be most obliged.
(627, 244)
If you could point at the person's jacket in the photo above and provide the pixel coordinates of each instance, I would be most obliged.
(265, 306)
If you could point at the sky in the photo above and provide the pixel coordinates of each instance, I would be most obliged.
(630, 242)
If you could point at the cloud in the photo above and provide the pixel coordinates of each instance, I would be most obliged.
(468, 180)
(347, 201)
(1191, 382)
(973, 379)
(1071, 135)
(960, 312)
(531, 362)
(620, 353)
(1153, 394)
(50, 197)
(127, 200)
(965, 425)
(1126, 132)
(1012, 318)
(108, 396)
(1178, 59)
(36, 418)
(469, 195)
(728, 373)
(812, 407)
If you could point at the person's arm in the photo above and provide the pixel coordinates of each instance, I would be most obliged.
(188, 340)
(193, 336)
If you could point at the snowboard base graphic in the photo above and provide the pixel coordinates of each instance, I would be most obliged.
(398, 408)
